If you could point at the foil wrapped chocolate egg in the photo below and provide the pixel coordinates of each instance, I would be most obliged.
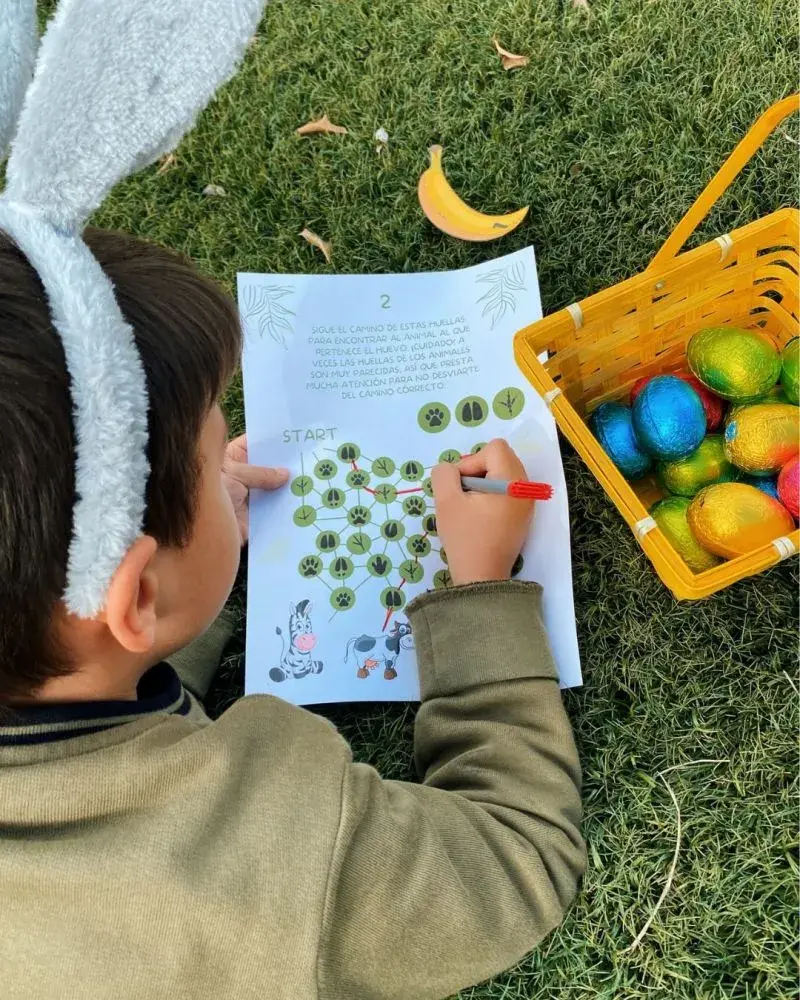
(739, 365)
(762, 438)
(670, 515)
(789, 487)
(612, 425)
(790, 375)
(668, 418)
(707, 464)
(712, 404)
(731, 519)
(767, 484)
(775, 395)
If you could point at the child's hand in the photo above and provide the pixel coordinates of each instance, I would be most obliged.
(239, 478)
(482, 533)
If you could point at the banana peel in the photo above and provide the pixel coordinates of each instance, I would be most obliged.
(448, 212)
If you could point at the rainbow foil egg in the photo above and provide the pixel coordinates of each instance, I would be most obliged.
(762, 438)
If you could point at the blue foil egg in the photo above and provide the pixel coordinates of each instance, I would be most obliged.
(612, 425)
(668, 418)
(767, 484)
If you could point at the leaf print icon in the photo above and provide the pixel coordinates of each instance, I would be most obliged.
(499, 297)
(265, 314)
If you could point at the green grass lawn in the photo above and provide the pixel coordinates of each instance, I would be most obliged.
(609, 134)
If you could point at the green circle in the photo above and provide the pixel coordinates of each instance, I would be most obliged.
(341, 567)
(519, 562)
(418, 545)
(385, 493)
(342, 599)
(451, 456)
(309, 566)
(393, 530)
(429, 524)
(442, 579)
(477, 447)
(433, 417)
(383, 467)
(327, 541)
(472, 411)
(359, 543)
(302, 486)
(333, 498)
(392, 598)
(357, 478)
(427, 486)
(412, 470)
(411, 570)
(325, 469)
(358, 516)
(304, 516)
(414, 506)
(379, 564)
(348, 452)
(508, 403)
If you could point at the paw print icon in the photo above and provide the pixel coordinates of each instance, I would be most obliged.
(433, 417)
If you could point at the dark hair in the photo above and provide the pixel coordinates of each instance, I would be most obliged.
(187, 331)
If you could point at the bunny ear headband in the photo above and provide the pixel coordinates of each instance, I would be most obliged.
(115, 85)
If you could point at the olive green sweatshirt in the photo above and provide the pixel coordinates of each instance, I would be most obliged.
(147, 852)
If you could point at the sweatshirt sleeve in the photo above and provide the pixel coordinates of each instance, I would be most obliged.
(437, 886)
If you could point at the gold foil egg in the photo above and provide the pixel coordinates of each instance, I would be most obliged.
(670, 515)
(762, 438)
(739, 365)
(707, 464)
(731, 519)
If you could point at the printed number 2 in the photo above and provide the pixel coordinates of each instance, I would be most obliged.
(385, 302)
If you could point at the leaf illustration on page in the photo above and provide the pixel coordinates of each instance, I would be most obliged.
(265, 314)
(500, 296)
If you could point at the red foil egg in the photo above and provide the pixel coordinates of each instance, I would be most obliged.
(789, 487)
(712, 404)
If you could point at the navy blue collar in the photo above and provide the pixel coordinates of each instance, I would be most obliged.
(159, 690)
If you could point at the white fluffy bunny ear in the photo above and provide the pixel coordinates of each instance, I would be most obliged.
(116, 83)
(18, 41)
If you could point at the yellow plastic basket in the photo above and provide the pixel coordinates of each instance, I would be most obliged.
(597, 348)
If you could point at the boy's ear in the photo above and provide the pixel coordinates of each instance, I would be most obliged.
(130, 610)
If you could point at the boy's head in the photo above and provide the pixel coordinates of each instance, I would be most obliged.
(175, 578)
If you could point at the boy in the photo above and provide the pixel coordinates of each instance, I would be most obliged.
(148, 852)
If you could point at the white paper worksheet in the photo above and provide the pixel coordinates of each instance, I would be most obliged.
(360, 384)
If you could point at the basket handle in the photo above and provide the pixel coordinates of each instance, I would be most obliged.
(744, 152)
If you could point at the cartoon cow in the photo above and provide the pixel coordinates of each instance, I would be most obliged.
(296, 661)
(369, 651)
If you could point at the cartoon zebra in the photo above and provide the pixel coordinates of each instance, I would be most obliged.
(296, 661)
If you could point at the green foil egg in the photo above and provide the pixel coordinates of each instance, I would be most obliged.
(738, 365)
(707, 464)
(670, 515)
(762, 438)
(790, 376)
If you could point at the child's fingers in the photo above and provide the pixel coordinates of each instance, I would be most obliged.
(446, 482)
(496, 461)
(258, 477)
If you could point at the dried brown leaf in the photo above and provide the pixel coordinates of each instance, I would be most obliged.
(582, 5)
(214, 191)
(576, 169)
(318, 242)
(323, 124)
(166, 163)
(510, 60)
